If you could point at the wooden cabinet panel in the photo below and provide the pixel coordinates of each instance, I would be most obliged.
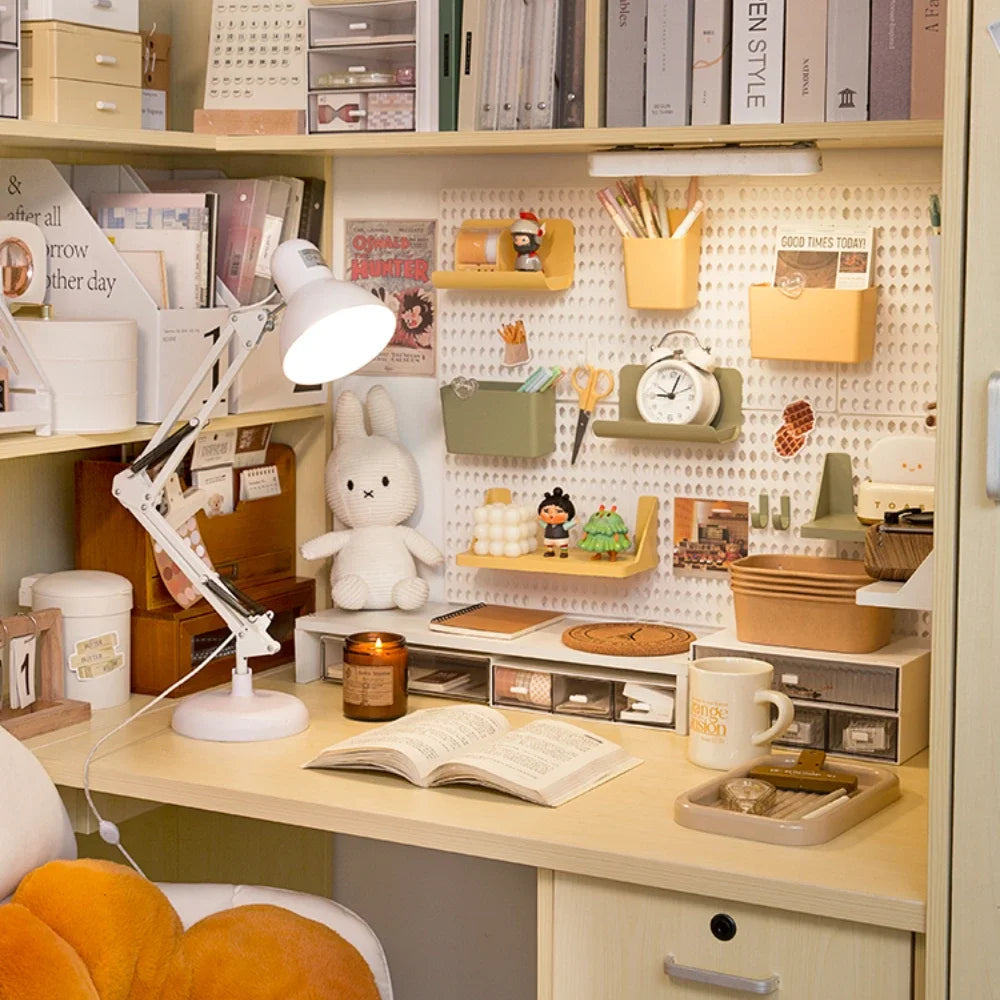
(610, 940)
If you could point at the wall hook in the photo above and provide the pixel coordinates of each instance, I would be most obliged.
(758, 518)
(783, 521)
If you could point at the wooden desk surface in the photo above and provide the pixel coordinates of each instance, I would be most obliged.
(624, 830)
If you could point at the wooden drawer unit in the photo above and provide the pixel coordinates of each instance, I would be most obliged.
(71, 102)
(253, 544)
(54, 50)
(119, 15)
(613, 940)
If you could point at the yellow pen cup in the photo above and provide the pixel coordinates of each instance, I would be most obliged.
(663, 273)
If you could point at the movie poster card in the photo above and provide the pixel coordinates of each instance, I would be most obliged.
(393, 259)
(709, 535)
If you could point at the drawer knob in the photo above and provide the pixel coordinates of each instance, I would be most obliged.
(102, 4)
(741, 984)
(103, 60)
(723, 927)
(106, 106)
(357, 69)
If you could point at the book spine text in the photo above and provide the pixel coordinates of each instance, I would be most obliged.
(758, 49)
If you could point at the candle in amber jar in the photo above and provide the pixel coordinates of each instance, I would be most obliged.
(374, 676)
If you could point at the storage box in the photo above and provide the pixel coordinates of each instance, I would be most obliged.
(55, 49)
(820, 324)
(498, 420)
(254, 543)
(121, 15)
(663, 273)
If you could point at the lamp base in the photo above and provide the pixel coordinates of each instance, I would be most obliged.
(240, 715)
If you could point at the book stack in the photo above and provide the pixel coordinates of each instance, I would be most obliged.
(712, 62)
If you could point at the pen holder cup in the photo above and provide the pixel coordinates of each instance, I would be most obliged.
(819, 324)
(498, 420)
(663, 273)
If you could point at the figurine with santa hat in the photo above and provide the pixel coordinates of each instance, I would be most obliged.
(527, 232)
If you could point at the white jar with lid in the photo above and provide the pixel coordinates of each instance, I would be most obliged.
(96, 609)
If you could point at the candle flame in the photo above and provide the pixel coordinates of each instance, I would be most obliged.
(378, 644)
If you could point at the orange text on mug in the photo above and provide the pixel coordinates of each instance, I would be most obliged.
(708, 718)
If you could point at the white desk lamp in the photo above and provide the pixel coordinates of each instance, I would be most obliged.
(330, 329)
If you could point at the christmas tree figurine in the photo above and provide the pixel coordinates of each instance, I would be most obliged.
(605, 532)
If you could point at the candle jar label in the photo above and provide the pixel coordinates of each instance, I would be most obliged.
(368, 685)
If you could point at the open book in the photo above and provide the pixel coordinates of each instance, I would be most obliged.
(546, 761)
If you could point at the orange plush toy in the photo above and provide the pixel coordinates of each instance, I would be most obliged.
(93, 930)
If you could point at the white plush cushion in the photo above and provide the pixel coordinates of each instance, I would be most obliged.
(194, 901)
(34, 827)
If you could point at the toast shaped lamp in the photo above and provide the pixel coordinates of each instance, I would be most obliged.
(330, 329)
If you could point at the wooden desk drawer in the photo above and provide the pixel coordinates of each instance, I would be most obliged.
(122, 15)
(612, 939)
(71, 52)
(75, 103)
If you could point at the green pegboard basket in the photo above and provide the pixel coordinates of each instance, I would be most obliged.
(498, 420)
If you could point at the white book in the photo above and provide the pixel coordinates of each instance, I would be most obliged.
(470, 61)
(180, 248)
(669, 25)
(805, 60)
(710, 61)
(150, 267)
(848, 28)
(758, 55)
(624, 66)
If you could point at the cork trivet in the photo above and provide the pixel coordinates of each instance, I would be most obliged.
(628, 638)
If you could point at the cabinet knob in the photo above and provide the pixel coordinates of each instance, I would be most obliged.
(103, 60)
(740, 984)
(102, 4)
(106, 106)
(723, 927)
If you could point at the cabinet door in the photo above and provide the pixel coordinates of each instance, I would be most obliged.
(611, 940)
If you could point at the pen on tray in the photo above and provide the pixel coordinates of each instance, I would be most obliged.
(688, 221)
(827, 804)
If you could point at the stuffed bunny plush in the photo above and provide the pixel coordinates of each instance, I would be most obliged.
(372, 486)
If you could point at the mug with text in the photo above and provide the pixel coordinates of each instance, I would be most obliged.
(730, 711)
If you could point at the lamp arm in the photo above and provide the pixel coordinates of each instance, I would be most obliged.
(142, 496)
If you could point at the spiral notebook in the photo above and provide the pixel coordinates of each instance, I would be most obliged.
(494, 621)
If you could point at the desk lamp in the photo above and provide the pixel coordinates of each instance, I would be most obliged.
(330, 328)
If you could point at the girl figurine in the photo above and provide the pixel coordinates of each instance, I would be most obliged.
(527, 232)
(556, 512)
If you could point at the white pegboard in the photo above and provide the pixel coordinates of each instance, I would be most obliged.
(855, 405)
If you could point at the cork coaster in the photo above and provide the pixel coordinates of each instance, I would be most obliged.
(628, 638)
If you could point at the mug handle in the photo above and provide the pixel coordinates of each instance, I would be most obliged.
(786, 713)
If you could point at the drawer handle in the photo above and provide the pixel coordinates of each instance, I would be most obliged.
(357, 69)
(358, 26)
(106, 106)
(993, 438)
(106, 60)
(102, 4)
(741, 984)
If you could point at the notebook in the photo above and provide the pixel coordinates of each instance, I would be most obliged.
(494, 621)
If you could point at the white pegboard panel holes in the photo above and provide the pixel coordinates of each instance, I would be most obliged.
(855, 405)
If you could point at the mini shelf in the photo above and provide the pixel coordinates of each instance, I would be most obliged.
(834, 515)
(641, 559)
(556, 252)
(914, 594)
(725, 428)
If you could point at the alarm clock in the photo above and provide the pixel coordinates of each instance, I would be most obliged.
(678, 385)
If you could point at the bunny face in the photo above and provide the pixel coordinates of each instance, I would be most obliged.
(370, 480)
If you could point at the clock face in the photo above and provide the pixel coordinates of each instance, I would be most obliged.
(675, 392)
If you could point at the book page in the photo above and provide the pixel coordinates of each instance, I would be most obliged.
(426, 738)
(536, 756)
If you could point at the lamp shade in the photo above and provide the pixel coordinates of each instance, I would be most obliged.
(330, 328)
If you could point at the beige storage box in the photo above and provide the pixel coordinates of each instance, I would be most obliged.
(119, 15)
(81, 76)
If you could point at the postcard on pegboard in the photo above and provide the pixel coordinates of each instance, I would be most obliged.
(393, 259)
(709, 535)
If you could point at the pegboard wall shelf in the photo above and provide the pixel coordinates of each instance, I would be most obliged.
(724, 429)
(556, 253)
(834, 516)
(642, 559)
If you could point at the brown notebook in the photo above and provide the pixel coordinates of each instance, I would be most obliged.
(494, 621)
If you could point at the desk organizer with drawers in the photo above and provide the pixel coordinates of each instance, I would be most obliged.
(866, 705)
(535, 673)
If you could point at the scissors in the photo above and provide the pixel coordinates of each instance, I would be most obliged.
(599, 384)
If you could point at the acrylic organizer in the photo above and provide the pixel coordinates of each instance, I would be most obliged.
(818, 324)
(496, 419)
(663, 273)
(701, 808)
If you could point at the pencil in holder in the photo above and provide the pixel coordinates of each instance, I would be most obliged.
(663, 273)
(496, 419)
(817, 324)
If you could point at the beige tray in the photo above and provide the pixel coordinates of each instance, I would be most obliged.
(700, 808)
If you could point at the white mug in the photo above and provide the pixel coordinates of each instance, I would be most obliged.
(728, 720)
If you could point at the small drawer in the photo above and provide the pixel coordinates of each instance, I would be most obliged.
(833, 681)
(358, 24)
(74, 103)
(8, 23)
(120, 15)
(863, 735)
(72, 52)
(663, 273)
(362, 68)
(9, 84)
(362, 111)
(808, 729)
(645, 704)
(582, 696)
(522, 688)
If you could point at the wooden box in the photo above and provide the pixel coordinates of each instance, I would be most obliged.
(255, 543)
(166, 644)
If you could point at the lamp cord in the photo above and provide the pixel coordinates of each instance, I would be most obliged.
(108, 831)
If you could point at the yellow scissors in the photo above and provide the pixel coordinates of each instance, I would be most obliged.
(592, 385)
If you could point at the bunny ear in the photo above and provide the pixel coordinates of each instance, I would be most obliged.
(381, 413)
(349, 419)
